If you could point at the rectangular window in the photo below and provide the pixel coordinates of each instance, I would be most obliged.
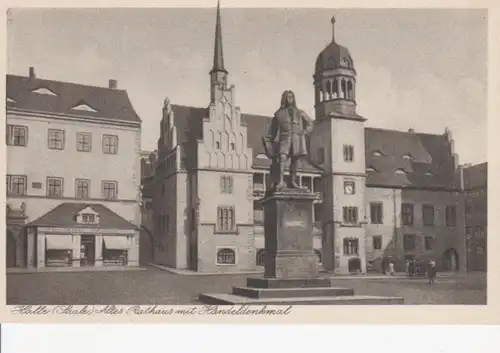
(350, 214)
(377, 242)
(88, 218)
(318, 215)
(56, 139)
(428, 215)
(17, 184)
(409, 242)
(317, 184)
(109, 190)
(258, 181)
(258, 213)
(307, 183)
(407, 214)
(110, 144)
(376, 212)
(17, 135)
(351, 246)
(82, 189)
(225, 219)
(55, 187)
(83, 142)
(428, 242)
(469, 207)
(451, 216)
(321, 155)
(166, 222)
(348, 153)
(226, 184)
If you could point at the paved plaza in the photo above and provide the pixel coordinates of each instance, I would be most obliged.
(154, 286)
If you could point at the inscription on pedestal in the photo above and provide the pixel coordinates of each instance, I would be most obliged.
(288, 235)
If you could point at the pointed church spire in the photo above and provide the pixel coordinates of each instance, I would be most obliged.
(218, 55)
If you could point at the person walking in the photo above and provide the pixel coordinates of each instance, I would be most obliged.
(432, 271)
(391, 268)
(407, 268)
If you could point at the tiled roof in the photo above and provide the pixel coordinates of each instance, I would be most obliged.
(409, 159)
(64, 215)
(398, 158)
(476, 176)
(188, 121)
(106, 103)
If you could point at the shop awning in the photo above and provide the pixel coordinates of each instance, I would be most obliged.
(58, 242)
(116, 242)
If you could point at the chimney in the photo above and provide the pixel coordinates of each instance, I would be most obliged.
(411, 130)
(113, 84)
(32, 73)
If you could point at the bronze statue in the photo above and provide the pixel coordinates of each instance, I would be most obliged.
(286, 140)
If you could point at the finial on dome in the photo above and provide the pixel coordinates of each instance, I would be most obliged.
(333, 28)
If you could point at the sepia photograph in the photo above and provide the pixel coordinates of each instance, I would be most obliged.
(246, 156)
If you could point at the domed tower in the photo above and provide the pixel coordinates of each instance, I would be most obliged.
(334, 80)
(338, 145)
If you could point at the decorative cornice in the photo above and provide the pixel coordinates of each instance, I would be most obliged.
(71, 198)
(71, 117)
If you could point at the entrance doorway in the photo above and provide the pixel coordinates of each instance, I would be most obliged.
(450, 260)
(87, 250)
(11, 249)
(354, 265)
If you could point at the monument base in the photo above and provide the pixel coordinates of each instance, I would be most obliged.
(291, 275)
(313, 291)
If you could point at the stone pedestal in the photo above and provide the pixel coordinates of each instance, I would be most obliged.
(291, 273)
(288, 218)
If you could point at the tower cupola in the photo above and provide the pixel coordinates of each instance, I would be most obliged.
(334, 80)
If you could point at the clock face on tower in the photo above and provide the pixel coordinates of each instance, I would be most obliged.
(349, 187)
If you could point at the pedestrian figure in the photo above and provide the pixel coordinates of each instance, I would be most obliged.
(432, 271)
(411, 268)
(391, 268)
(407, 268)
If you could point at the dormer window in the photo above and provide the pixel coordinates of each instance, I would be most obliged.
(87, 216)
(429, 174)
(378, 153)
(261, 156)
(43, 90)
(370, 169)
(408, 156)
(400, 171)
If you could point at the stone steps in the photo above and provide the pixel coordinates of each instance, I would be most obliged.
(231, 299)
(261, 293)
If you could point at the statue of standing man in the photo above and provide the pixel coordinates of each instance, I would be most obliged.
(286, 140)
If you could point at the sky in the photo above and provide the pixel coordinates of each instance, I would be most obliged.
(420, 69)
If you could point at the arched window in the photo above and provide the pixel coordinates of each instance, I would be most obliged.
(350, 94)
(329, 86)
(217, 145)
(343, 87)
(259, 258)
(318, 254)
(232, 146)
(226, 257)
(335, 89)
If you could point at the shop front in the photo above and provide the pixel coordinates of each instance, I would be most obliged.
(91, 241)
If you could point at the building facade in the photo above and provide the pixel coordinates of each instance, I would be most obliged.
(475, 184)
(73, 174)
(384, 194)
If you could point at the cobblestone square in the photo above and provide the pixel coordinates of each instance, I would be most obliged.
(155, 286)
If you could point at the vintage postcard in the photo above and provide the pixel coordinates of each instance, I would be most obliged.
(233, 163)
